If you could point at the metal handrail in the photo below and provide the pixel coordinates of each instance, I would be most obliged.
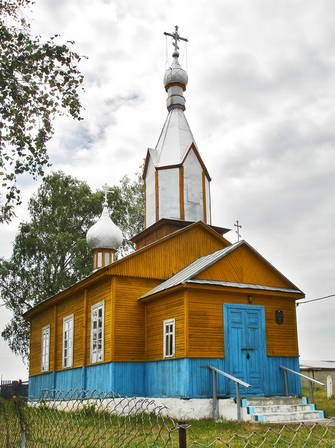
(238, 383)
(309, 379)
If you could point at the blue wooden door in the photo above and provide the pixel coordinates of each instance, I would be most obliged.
(244, 332)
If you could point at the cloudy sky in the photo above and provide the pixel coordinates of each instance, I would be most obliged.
(260, 103)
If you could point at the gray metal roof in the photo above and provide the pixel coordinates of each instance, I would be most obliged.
(186, 274)
(317, 365)
(174, 141)
(243, 285)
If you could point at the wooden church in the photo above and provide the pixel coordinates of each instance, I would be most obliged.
(186, 297)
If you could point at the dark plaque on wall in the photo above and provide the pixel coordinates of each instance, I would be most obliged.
(279, 316)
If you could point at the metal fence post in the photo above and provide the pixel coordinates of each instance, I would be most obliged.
(215, 396)
(311, 393)
(182, 434)
(23, 439)
(18, 406)
(286, 381)
(238, 401)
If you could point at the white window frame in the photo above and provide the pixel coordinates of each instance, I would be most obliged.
(67, 358)
(170, 334)
(45, 348)
(97, 355)
(99, 259)
(107, 258)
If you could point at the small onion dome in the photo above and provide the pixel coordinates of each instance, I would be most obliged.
(104, 234)
(175, 74)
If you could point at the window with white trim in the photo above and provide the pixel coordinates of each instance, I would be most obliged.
(45, 348)
(169, 336)
(107, 258)
(97, 332)
(99, 263)
(68, 341)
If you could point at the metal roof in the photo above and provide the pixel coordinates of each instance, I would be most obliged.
(317, 365)
(174, 141)
(193, 269)
(243, 285)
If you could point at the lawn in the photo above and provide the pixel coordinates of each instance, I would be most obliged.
(321, 401)
(91, 428)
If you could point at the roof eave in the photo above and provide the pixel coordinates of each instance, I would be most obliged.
(87, 281)
(297, 295)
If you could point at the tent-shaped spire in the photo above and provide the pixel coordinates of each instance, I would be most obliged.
(176, 179)
(175, 140)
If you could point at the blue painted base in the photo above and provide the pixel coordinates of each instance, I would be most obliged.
(182, 378)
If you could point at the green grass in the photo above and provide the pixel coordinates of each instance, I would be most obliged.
(245, 434)
(89, 428)
(321, 400)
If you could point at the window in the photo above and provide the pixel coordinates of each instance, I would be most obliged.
(45, 349)
(68, 341)
(107, 258)
(169, 338)
(97, 332)
(99, 263)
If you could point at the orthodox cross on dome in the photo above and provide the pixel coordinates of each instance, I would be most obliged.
(175, 36)
(238, 227)
(106, 190)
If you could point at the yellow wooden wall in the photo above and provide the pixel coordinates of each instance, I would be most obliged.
(206, 332)
(129, 327)
(73, 305)
(245, 266)
(97, 293)
(162, 260)
(156, 312)
(80, 306)
(44, 318)
(134, 331)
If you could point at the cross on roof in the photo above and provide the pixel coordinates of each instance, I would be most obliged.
(106, 189)
(175, 36)
(238, 227)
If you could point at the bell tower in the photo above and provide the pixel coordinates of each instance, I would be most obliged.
(176, 180)
(177, 183)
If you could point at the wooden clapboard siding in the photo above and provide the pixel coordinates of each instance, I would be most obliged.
(170, 307)
(128, 324)
(73, 305)
(98, 292)
(206, 332)
(282, 339)
(245, 266)
(205, 324)
(156, 234)
(160, 260)
(41, 320)
(166, 258)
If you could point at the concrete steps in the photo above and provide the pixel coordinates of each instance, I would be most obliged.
(281, 410)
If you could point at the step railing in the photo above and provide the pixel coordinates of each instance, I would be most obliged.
(310, 380)
(238, 383)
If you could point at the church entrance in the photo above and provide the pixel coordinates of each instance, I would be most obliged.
(244, 335)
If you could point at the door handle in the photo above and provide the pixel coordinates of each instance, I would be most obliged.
(248, 356)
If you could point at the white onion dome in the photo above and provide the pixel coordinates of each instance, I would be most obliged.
(104, 234)
(175, 74)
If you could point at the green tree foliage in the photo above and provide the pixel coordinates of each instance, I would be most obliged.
(39, 80)
(50, 251)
